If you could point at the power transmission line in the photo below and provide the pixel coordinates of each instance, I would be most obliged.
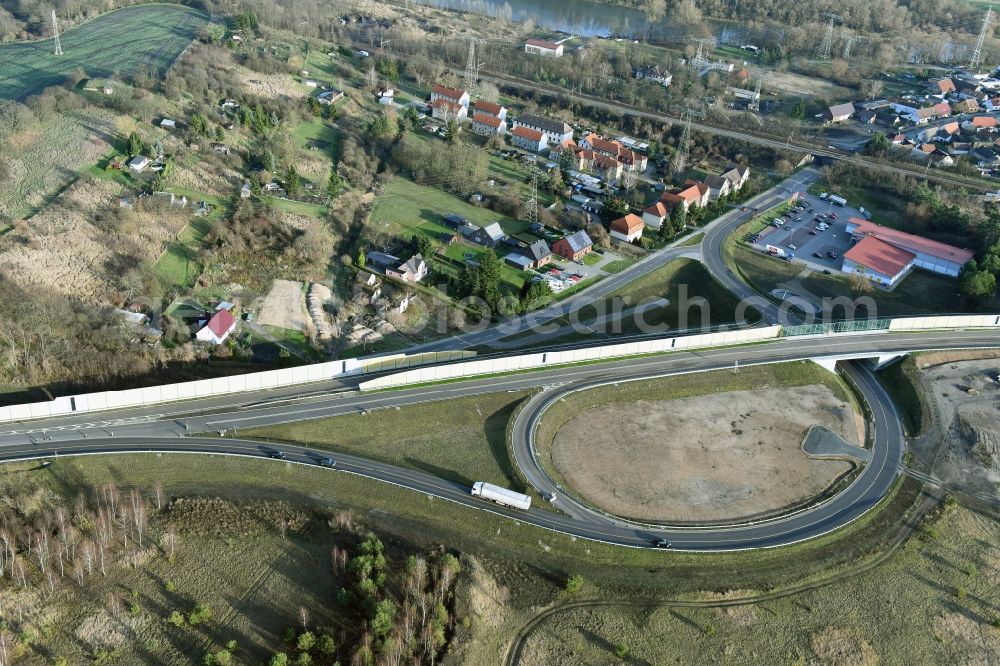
(977, 52)
(55, 34)
(826, 46)
(530, 212)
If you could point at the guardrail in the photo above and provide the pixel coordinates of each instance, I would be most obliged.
(205, 388)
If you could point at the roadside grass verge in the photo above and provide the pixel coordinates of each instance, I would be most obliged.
(461, 440)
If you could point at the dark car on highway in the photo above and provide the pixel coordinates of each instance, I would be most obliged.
(662, 543)
(277, 455)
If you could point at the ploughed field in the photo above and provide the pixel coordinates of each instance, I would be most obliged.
(703, 458)
(122, 41)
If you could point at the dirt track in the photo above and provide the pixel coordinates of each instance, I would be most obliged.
(711, 457)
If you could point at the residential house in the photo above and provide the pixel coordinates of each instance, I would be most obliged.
(491, 108)
(839, 112)
(687, 197)
(539, 253)
(656, 215)
(554, 131)
(453, 95)
(218, 327)
(487, 125)
(654, 73)
(543, 47)
(866, 117)
(985, 158)
(923, 151)
(573, 247)
(603, 166)
(413, 269)
(139, 163)
(872, 105)
(940, 87)
(168, 123)
(491, 235)
(704, 192)
(628, 228)
(246, 191)
(737, 175)
(718, 187)
(381, 260)
(330, 96)
(528, 138)
(967, 105)
(446, 110)
(631, 160)
(979, 122)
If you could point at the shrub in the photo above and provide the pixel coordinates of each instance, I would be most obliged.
(176, 619)
(199, 615)
(710, 630)
(170, 586)
(306, 642)
(279, 659)
(622, 651)
(574, 584)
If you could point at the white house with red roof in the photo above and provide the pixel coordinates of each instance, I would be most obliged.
(928, 254)
(487, 125)
(444, 109)
(628, 228)
(491, 108)
(218, 327)
(453, 95)
(543, 47)
(528, 138)
(655, 215)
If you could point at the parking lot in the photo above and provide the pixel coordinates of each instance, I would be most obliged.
(805, 241)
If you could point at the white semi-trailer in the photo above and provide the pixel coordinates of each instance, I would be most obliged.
(840, 201)
(500, 495)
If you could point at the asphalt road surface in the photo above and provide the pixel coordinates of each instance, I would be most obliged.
(173, 428)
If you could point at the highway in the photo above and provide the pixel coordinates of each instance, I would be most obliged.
(174, 428)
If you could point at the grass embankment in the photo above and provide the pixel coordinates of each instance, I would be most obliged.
(938, 592)
(461, 440)
(680, 282)
(799, 373)
(902, 381)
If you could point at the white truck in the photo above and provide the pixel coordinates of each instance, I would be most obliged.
(501, 495)
(840, 201)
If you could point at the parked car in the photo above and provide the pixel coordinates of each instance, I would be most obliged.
(817, 255)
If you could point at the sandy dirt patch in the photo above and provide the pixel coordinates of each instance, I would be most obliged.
(838, 647)
(962, 446)
(285, 306)
(710, 457)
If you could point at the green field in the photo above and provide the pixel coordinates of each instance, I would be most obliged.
(462, 440)
(121, 41)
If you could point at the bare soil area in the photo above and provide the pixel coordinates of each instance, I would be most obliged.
(703, 458)
(962, 447)
(285, 306)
